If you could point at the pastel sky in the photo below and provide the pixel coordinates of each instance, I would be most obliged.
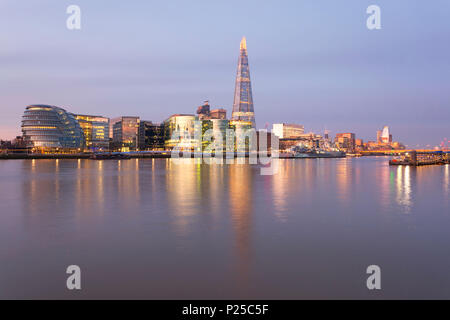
(312, 62)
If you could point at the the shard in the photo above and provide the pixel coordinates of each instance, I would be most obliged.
(243, 111)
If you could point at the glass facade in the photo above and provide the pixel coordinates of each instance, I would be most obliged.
(245, 136)
(96, 131)
(183, 127)
(203, 112)
(287, 131)
(126, 133)
(218, 114)
(345, 141)
(386, 136)
(243, 109)
(151, 136)
(48, 127)
(219, 128)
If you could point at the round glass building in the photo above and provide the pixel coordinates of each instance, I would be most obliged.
(48, 127)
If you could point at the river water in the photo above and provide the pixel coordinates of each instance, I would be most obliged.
(156, 229)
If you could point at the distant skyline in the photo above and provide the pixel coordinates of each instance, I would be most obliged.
(312, 62)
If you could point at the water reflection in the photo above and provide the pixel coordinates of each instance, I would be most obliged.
(240, 195)
(128, 188)
(280, 189)
(202, 220)
(33, 187)
(42, 187)
(384, 177)
(403, 188)
(214, 184)
(446, 181)
(57, 181)
(344, 177)
(182, 180)
(79, 188)
(100, 187)
(192, 188)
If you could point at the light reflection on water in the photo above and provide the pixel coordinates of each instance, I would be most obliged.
(403, 183)
(154, 225)
(446, 181)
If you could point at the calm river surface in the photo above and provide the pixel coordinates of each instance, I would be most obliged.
(154, 229)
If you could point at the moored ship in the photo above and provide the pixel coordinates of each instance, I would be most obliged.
(320, 154)
(299, 152)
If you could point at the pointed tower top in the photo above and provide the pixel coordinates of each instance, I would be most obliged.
(243, 43)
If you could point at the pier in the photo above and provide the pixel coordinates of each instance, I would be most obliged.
(129, 154)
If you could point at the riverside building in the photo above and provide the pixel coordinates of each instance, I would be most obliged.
(48, 128)
(126, 133)
(345, 141)
(288, 131)
(243, 114)
(151, 136)
(179, 131)
(96, 131)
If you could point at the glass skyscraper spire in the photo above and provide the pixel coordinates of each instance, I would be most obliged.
(243, 111)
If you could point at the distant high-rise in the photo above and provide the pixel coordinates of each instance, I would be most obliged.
(203, 111)
(378, 136)
(243, 110)
(384, 136)
(219, 114)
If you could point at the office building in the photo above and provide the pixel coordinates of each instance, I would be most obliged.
(204, 112)
(287, 131)
(179, 132)
(96, 131)
(306, 140)
(112, 122)
(384, 135)
(47, 128)
(345, 142)
(270, 138)
(126, 133)
(220, 135)
(245, 135)
(359, 144)
(151, 136)
(218, 114)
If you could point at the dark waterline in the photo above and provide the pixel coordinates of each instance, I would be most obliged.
(154, 229)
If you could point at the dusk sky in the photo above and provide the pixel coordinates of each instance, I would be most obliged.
(312, 62)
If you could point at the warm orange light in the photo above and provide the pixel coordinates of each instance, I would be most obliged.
(243, 43)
